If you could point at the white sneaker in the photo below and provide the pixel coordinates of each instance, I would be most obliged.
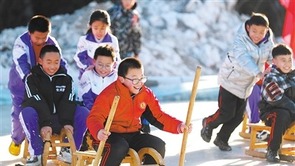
(34, 161)
(65, 155)
(262, 136)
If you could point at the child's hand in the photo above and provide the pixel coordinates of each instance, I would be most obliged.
(70, 128)
(103, 135)
(183, 126)
(46, 132)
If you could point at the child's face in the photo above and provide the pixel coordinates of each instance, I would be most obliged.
(128, 4)
(257, 32)
(104, 65)
(134, 80)
(99, 29)
(39, 38)
(283, 62)
(50, 62)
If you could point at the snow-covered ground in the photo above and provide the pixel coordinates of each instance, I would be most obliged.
(198, 152)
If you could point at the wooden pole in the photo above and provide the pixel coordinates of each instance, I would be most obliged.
(189, 115)
(107, 128)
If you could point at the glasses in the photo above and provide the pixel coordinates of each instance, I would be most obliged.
(135, 81)
(107, 66)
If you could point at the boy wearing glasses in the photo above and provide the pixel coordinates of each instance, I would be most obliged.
(100, 76)
(125, 133)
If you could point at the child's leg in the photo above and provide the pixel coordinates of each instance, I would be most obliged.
(115, 150)
(80, 127)
(29, 120)
(150, 141)
(279, 120)
(253, 100)
(17, 90)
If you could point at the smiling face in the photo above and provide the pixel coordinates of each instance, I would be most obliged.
(104, 65)
(133, 80)
(50, 62)
(256, 32)
(283, 63)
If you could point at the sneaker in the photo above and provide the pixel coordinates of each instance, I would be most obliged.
(262, 136)
(14, 148)
(223, 146)
(34, 161)
(65, 155)
(272, 156)
(206, 131)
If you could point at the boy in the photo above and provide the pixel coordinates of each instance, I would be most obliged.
(278, 99)
(26, 51)
(49, 105)
(240, 71)
(93, 81)
(135, 97)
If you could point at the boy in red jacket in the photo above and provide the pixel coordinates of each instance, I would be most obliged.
(135, 97)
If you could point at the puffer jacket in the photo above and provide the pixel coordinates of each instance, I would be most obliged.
(50, 95)
(129, 110)
(243, 62)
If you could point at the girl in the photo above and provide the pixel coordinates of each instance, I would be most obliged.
(98, 34)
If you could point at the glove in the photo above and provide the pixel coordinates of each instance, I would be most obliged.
(274, 92)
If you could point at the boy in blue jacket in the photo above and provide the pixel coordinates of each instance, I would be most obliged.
(49, 105)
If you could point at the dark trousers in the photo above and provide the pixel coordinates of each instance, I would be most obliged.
(230, 114)
(279, 120)
(118, 144)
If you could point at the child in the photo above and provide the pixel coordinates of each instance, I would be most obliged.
(97, 34)
(103, 74)
(49, 105)
(125, 128)
(25, 52)
(277, 108)
(240, 71)
(125, 26)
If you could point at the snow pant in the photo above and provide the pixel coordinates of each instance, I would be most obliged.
(118, 144)
(230, 114)
(252, 105)
(279, 120)
(29, 119)
(17, 91)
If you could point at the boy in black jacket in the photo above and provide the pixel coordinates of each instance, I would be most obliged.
(277, 107)
(49, 105)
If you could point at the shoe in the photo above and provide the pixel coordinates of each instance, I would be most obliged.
(272, 156)
(263, 136)
(14, 148)
(65, 155)
(206, 131)
(223, 146)
(34, 161)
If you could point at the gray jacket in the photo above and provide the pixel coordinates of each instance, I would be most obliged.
(243, 62)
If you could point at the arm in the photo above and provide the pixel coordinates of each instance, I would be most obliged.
(159, 118)
(86, 91)
(81, 57)
(37, 101)
(20, 58)
(67, 107)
